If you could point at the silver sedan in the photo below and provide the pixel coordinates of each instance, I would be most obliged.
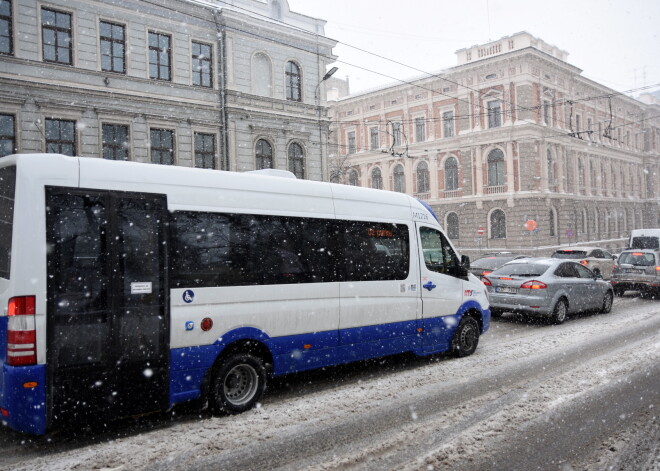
(546, 287)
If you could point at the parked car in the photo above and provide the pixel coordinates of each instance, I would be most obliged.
(598, 260)
(639, 270)
(551, 288)
(485, 265)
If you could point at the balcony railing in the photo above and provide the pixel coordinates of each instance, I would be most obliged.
(493, 190)
(450, 194)
(423, 196)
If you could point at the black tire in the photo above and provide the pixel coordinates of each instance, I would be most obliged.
(237, 384)
(560, 312)
(466, 337)
(607, 302)
(495, 313)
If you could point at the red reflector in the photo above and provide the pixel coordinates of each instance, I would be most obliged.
(534, 284)
(206, 324)
(4, 412)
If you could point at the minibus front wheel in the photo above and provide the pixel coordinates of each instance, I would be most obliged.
(238, 383)
(466, 337)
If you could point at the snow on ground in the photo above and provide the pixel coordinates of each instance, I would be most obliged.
(320, 402)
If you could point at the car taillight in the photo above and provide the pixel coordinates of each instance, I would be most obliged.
(21, 331)
(486, 272)
(486, 281)
(534, 284)
(584, 262)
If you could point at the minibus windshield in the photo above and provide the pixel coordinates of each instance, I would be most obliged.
(7, 188)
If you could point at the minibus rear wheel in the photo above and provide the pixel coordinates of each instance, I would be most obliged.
(238, 383)
(466, 337)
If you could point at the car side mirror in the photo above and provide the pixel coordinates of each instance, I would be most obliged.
(598, 276)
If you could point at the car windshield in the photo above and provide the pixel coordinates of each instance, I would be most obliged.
(637, 258)
(492, 262)
(522, 269)
(645, 243)
(569, 254)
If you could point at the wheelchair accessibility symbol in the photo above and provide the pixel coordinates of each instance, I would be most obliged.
(188, 296)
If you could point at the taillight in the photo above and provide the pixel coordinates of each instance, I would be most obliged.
(486, 281)
(486, 272)
(584, 262)
(534, 284)
(21, 333)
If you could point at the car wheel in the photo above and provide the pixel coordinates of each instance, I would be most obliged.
(237, 383)
(560, 312)
(607, 303)
(466, 337)
(496, 312)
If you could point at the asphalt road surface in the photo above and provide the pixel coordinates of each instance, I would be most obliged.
(584, 395)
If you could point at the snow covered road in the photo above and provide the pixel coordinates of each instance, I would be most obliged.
(582, 395)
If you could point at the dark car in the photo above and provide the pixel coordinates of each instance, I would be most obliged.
(598, 260)
(638, 270)
(492, 261)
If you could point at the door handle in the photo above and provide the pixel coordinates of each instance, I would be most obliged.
(429, 286)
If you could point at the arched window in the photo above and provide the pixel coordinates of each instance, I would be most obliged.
(452, 226)
(451, 174)
(581, 182)
(264, 154)
(497, 224)
(293, 81)
(423, 177)
(399, 179)
(495, 168)
(297, 160)
(376, 179)
(551, 223)
(551, 170)
(262, 81)
(353, 177)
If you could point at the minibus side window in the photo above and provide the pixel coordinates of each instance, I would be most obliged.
(7, 189)
(439, 256)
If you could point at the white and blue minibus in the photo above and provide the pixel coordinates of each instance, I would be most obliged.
(127, 288)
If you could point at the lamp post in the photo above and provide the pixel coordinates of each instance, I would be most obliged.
(317, 98)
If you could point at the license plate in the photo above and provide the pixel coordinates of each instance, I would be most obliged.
(506, 290)
(632, 270)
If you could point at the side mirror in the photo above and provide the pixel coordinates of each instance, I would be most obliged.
(465, 262)
(598, 276)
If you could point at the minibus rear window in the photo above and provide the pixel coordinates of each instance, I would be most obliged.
(7, 189)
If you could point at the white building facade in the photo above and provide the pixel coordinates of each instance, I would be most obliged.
(513, 133)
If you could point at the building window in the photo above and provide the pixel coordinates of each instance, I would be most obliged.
(160, 49)
(420, 129)
(202, 64)
(376, 179)
(261, 75)
(547, 113)
(264, 154)
(373, 137)
(452, 226)
(297, 160)
(61, 137)
(496, 168)
(162, 146)
(204, 150)
(399, 179)
(115, 141)
(57, 37)
(578, 123)
(423, 177)
(113, 47)
(6, 28)
(293, 81)
(351, 142)
(551, 169)
(451, 174)
(494, 114)
(581, 181)
(353, 177)
(396, 134)
(448, 123)
(497, 224)
(7, 134)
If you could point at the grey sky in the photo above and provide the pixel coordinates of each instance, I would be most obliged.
(614, 42)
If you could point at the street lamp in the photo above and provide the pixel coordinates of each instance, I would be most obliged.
(324, 164)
